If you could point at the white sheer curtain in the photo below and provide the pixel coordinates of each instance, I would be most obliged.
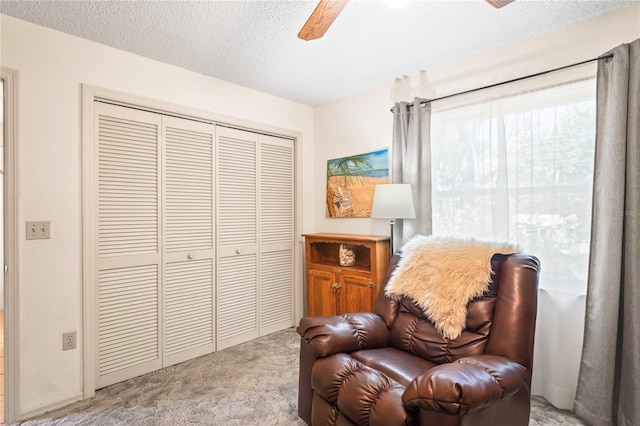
(519, 168)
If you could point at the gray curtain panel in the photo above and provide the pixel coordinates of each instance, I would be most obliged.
(609, 381)
(411, 163)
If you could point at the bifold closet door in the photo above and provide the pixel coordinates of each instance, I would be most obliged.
(276, 242)
(128, 253)
(255, 235)
(156, 239)
(189, 239)
(194, 224)
(237, 199)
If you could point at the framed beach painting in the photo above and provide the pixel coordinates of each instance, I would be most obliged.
(351, 181)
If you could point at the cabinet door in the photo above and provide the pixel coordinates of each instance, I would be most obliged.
(321, 296)
(356, 294)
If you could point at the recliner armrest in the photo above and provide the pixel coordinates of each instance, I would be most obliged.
(345, 333)
(465, 385)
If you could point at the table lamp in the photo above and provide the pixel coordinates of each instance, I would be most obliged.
(393, 201)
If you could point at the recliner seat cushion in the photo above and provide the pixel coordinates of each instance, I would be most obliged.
(401, 366)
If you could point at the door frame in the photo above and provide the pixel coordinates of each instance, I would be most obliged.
(90, 94)
(11, 249)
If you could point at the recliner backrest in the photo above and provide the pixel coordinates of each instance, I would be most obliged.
(413, 332)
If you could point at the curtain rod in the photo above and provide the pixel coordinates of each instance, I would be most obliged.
(510, 81)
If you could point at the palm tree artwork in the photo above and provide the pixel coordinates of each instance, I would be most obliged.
(351, 181)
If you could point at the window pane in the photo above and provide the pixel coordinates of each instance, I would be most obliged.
(520, 169)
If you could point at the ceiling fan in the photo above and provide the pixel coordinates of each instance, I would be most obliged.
(328, 10)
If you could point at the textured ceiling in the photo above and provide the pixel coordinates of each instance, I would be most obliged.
(255, 44)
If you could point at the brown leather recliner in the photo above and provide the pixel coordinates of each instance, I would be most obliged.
(392, 367)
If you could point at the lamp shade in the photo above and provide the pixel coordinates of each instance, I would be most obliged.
(393, 201)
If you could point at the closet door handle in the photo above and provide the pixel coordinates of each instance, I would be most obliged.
(190, 256)
(238, 251)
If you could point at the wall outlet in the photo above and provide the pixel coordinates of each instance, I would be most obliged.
(68, 341)
(40, 230)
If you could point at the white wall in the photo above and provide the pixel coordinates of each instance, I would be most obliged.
(363, 123)
(354, 125)
(52, 66)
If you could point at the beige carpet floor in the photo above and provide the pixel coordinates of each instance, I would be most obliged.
(254, 383)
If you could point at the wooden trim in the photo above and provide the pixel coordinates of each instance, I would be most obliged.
(346, 237)
(11, 246)
(89, 242)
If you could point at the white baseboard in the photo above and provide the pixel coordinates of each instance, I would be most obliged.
(49, 407)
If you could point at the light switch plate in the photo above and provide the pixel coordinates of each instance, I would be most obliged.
(40, 230)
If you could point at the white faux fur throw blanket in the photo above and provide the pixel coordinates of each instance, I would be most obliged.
(442, 275)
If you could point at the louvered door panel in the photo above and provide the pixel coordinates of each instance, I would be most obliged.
(237, 295)
(237, 191)
(127, 323)
(188, 185)
(276, 235)
(189, 309)
(128, 257)
(237, 300)
(276, 291)
(127, 186)
(276, 191)
(189, 313)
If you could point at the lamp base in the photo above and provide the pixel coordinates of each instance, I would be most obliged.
(391, 223)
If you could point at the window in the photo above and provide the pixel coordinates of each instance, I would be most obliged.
(520, 169)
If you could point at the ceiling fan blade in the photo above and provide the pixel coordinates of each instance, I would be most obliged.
(321, 19)
(499, 3)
